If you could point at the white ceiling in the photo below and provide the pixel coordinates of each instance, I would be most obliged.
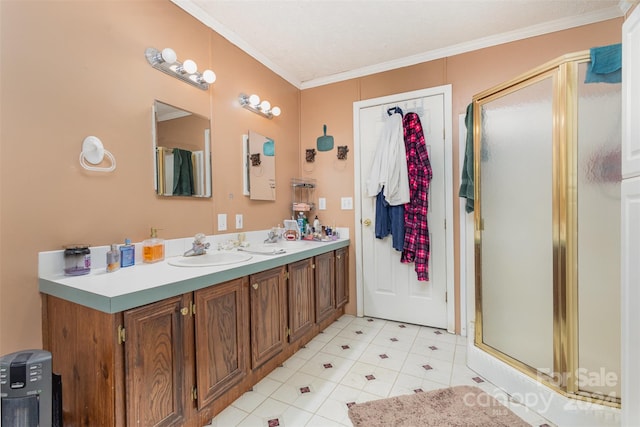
(315, 42)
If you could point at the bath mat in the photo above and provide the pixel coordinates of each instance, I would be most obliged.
(453, 406)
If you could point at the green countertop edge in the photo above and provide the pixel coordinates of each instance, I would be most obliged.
(139, 298)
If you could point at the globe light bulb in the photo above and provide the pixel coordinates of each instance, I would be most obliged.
(168, 55)
(189, 66)
(209, 76)
(276, 111)
(254, 100)
(265, 105)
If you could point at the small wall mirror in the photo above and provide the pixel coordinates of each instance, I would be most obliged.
(260, 161)
(182, 144)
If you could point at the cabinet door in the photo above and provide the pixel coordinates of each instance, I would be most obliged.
(222, 338)
(325, 286)
(156, 366)
(342, 277)
(268, 315)
(301, 298)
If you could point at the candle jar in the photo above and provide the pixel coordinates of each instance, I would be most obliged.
(77, 260)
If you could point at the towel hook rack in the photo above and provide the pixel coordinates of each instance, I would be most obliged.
(93, 152)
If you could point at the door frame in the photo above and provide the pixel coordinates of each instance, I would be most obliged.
(444, 90)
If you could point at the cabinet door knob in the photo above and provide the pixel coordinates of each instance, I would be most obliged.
(184, 311)
(255, 286)
(338, 256)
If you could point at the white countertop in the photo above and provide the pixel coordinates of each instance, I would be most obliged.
(142, 283)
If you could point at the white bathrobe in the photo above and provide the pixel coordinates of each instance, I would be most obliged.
(389, 169)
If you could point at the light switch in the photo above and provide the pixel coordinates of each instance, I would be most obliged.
(222, 222)
(238, 221)
(346, 203)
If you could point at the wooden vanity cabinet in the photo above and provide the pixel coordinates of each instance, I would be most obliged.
(268, 301)
(342, 276)
(181, 360)
(325, 285)
(301, 296)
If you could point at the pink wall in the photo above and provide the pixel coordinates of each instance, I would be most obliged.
(73, 69)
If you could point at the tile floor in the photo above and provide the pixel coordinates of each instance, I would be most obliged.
(355, 360)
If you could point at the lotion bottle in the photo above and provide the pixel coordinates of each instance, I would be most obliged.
(153, 248)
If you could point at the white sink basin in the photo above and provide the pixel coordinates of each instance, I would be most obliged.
(210, 259)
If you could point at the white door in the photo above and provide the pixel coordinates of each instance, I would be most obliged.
(390, 288)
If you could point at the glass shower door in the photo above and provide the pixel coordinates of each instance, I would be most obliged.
(516, 210)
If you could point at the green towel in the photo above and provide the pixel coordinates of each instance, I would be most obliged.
(182, 172)
(466, 180)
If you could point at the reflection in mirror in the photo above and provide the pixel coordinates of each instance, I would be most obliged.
(261, 167)
(183, 152)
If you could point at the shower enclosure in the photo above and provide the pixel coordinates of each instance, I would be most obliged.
(547, 228)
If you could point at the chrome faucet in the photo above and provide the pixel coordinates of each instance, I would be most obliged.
(272, 238)
(199, 247)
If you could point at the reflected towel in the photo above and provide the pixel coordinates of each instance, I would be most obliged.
(466, 180)
(182, 173)
(605, 65)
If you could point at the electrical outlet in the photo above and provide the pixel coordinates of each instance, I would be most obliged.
(322, 203)
(238, 221)
(346, 203)
(222, 222)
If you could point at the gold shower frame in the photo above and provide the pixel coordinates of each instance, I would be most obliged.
(564, 72)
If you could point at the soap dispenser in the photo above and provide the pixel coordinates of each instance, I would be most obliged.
(153, 248)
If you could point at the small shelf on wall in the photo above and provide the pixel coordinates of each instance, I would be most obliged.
(302, 197)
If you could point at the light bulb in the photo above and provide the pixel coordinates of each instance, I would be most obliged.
(168, 55)
(265, 105)
(189, 66)
(276, 111)
(209, 76)
(254, 100)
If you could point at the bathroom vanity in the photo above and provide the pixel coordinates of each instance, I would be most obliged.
(162, 345)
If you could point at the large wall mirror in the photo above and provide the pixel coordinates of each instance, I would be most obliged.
(182, 144)
(260, 160)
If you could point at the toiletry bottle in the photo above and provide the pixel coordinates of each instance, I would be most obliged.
(153, 248)
(127, 254)
(316, 225)
(302, 223)
(113, 259)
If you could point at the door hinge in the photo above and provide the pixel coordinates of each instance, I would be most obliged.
(194, 393)
(313, 266)
(121, 334)
(445, 224)
(286, 276)
(288, 332)
(446, 297)
(193, 308)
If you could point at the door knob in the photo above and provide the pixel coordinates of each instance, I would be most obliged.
(367, 222)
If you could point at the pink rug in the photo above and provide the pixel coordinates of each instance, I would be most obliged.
(454, 406)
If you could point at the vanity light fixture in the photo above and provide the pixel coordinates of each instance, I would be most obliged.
(252, 103)
(166, 61)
